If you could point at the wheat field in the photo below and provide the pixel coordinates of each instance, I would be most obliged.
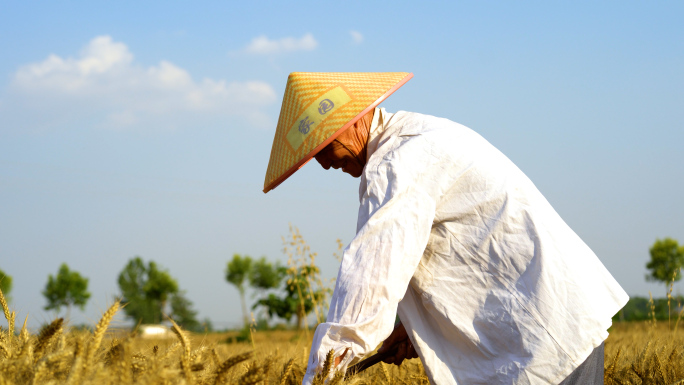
(636, 353)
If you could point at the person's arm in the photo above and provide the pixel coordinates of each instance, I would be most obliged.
(380, 261)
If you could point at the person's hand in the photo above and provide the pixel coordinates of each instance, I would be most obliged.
(338, 359)
(399, 340)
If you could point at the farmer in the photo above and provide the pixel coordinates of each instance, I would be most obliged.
(490, 285)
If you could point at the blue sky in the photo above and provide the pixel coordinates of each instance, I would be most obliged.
(131, 128)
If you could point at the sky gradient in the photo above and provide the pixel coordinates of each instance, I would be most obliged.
(144, 129)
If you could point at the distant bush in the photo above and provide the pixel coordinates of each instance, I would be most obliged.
(641, 309)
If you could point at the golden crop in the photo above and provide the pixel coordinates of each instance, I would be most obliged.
(636, 353)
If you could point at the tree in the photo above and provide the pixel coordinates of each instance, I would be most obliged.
(237, 271)
(667, 258)
(5, 284)
(159, 285)
(299, 297)
(145, 290)
(183, 314)
(67, 288)
(304, 290)
(132, 280)
(264, 275)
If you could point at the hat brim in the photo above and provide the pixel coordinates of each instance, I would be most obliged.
(337, 133)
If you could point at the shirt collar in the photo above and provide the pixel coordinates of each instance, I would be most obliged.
(378, 126)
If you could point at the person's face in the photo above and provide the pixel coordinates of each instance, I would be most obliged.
(338, 155)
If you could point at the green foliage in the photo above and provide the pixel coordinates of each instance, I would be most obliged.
(145, 290)
(67, 288)
(159, 285)
(303, 291)
(183, 314)
(237, 272)
(264, 275)
(297, 300)
(5, 283)
(667, 258)
(639, 309)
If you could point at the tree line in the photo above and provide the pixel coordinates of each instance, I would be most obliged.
(147, 290)
(293, 291)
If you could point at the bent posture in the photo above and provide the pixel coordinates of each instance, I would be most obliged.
(490, 285)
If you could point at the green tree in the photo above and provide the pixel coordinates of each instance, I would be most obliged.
(5, 284)
(237, 272)
(67, 288)
(304, 291)
(145, 290)
(159, 285)
(183, 314)
(132, 280)
(265, 275)
(667, 258)
(298, 299)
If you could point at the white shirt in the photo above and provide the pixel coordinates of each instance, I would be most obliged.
(490, 283)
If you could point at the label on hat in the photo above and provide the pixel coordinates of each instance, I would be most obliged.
(316, 113)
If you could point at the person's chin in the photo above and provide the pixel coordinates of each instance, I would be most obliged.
(353, 172)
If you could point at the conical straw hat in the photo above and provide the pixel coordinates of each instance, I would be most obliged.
(319, 106)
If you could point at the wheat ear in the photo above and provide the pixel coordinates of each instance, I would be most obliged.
(286, 371)
(5, 307)
(185, 358)
(8, 317)
(77, 365)
(46, 335)
(253, 376)
(229, 363)
(24, 337)
(328, 365)
(10, 331)
(42, 367)
(3, 351)
(169, 351)
(23, 334)
(100, 330)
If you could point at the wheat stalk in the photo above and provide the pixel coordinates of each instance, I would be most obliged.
(123, 367)
(5, 307)
(46, 335)
(215, 359)
(99, 333)
(4, 351)
(169, 351)
(10, 330)
(10, 323)
(41, 368)
(23, 334)
(185, 358)
(77, 366)
(229, 363)
(254, 375)
(286, 371)
(26, 345)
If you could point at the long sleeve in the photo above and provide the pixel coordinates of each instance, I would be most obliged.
(395, 218)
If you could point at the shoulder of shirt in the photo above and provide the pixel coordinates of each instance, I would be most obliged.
(416, 124)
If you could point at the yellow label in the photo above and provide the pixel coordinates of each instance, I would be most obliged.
(316, 113)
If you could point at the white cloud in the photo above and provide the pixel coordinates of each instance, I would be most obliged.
(356, 36)
(105, 81)
(263, 45)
